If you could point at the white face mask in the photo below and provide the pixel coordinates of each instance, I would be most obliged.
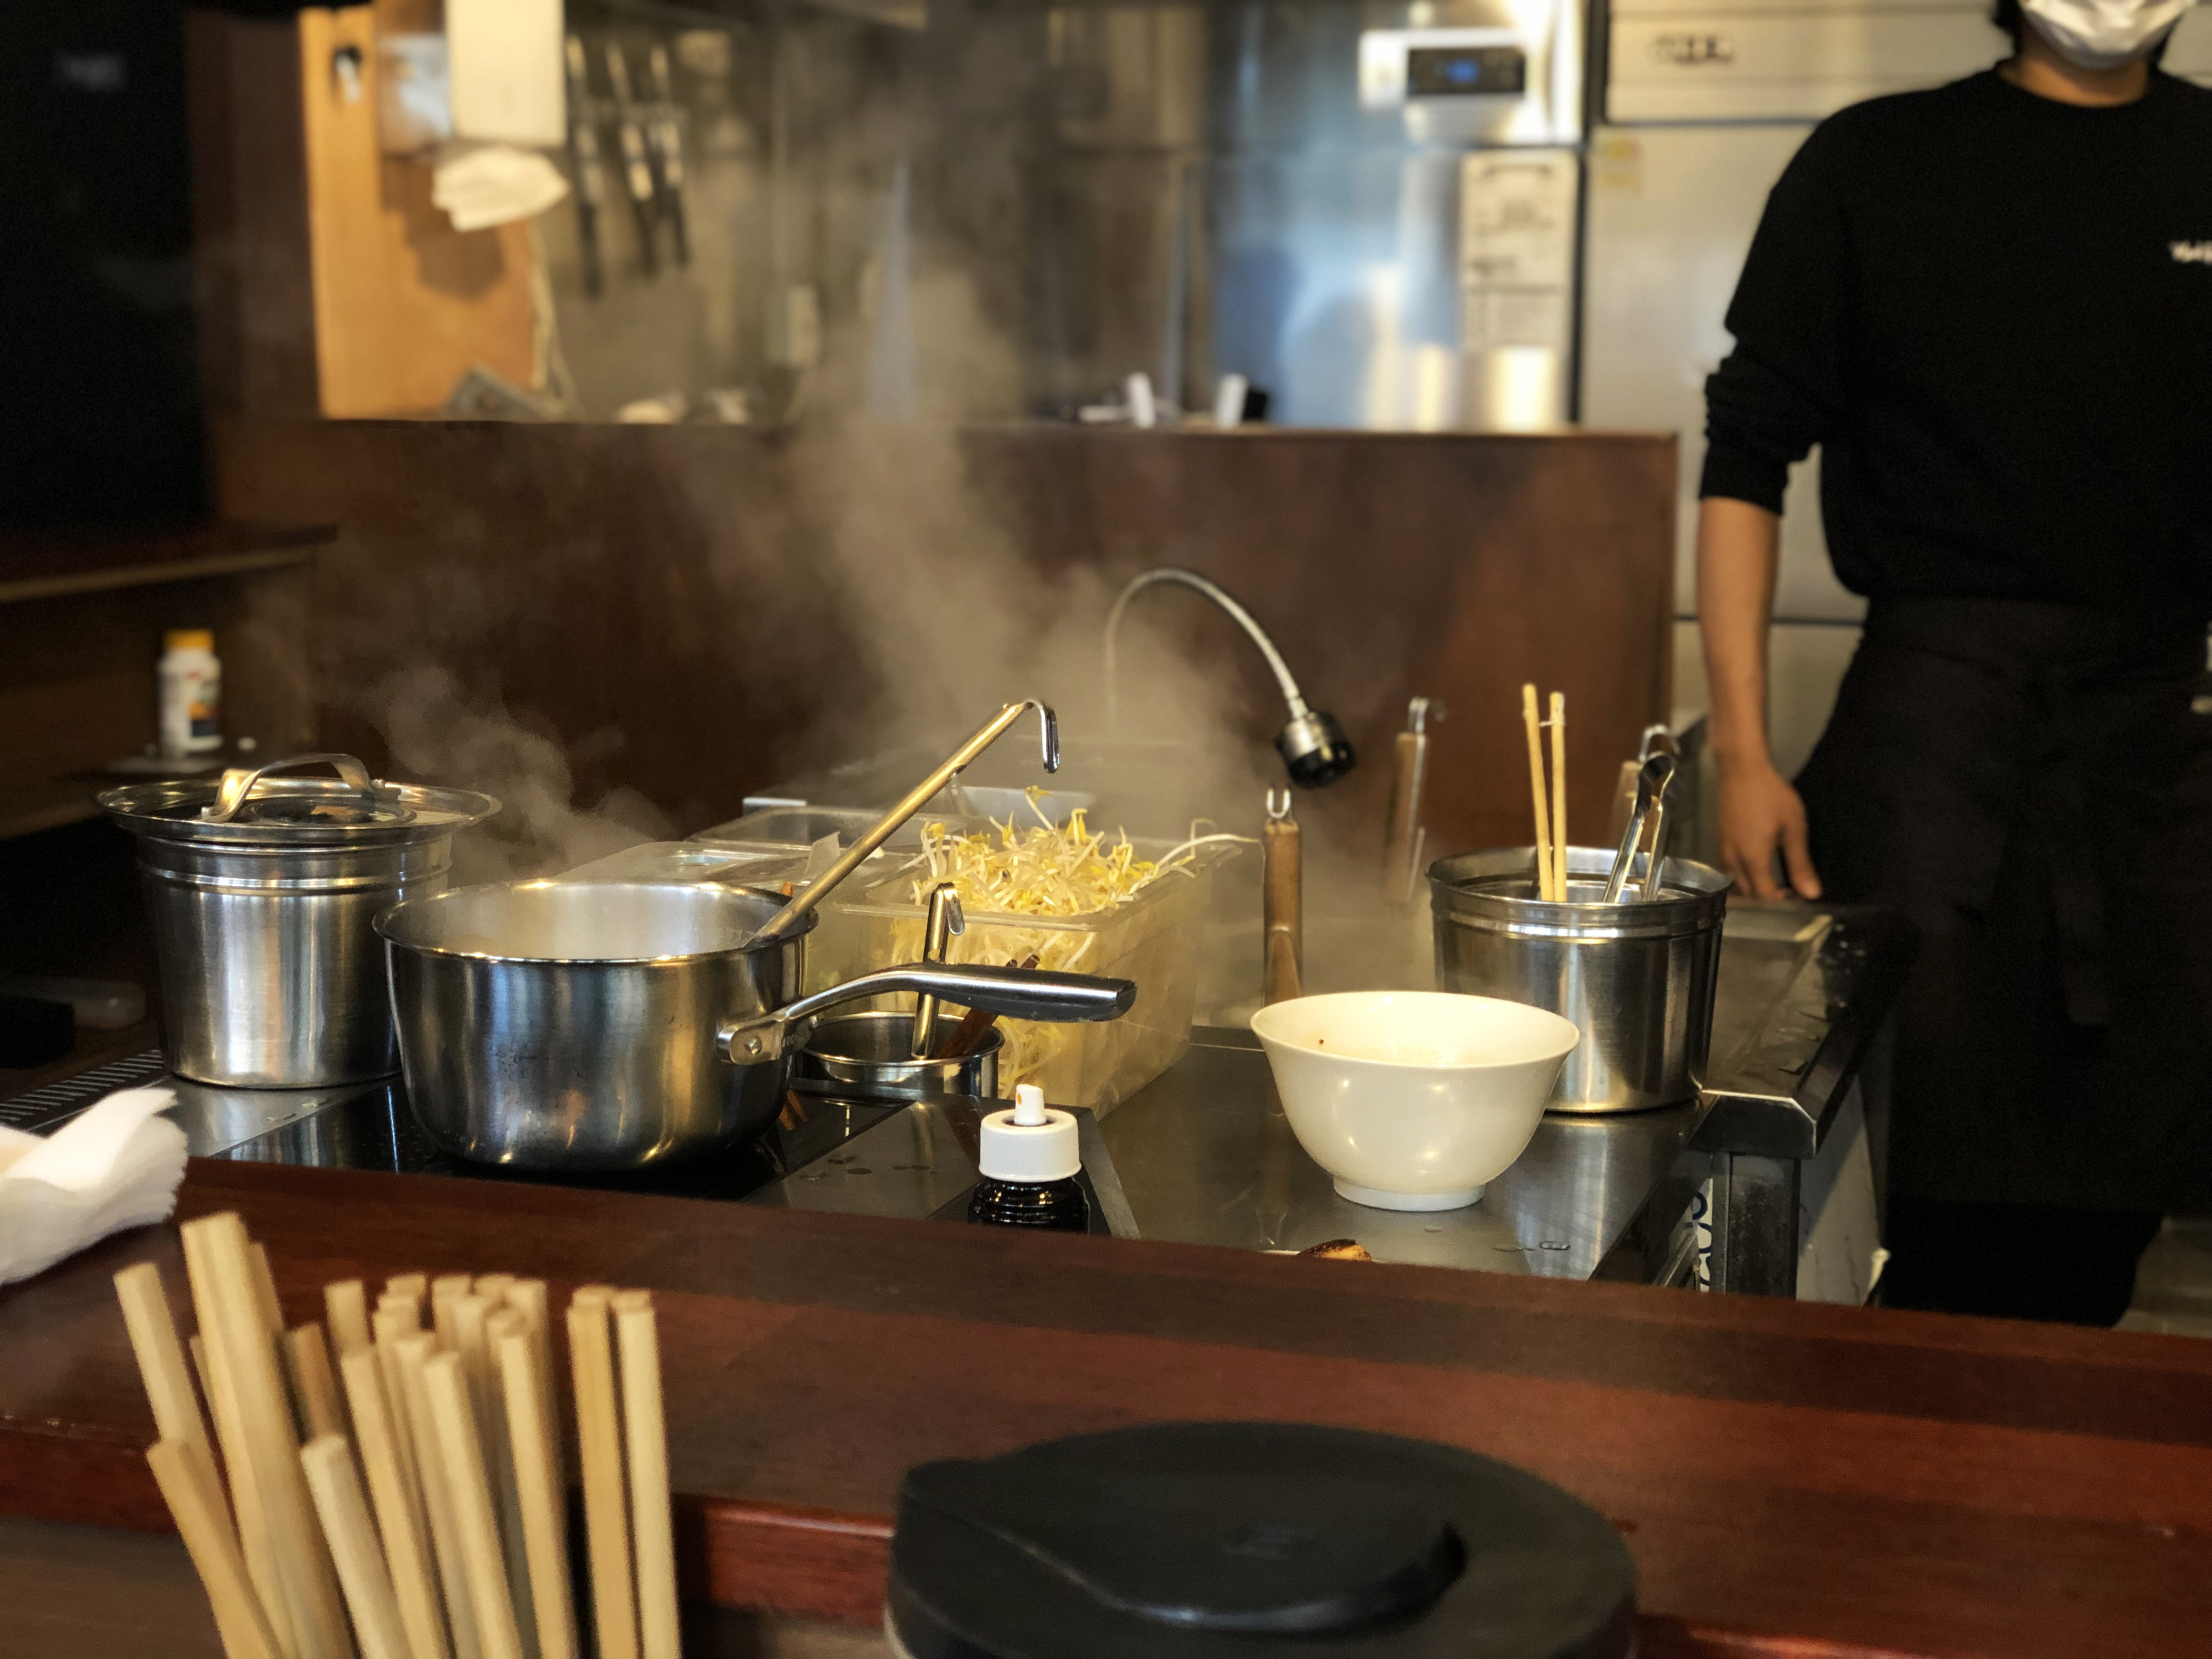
(2101, 34)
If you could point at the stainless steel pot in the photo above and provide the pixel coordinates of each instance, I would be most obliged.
(260, 891)
(872, 1054)
(1639, 978)
(614, 1026)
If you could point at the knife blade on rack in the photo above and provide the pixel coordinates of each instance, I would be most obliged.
(666, 133)
(591, 175)
(637, 159)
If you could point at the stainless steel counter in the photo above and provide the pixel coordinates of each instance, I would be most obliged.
(1204, 1155)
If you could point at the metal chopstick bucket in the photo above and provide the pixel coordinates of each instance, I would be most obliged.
(1638, 978)
(261, 889)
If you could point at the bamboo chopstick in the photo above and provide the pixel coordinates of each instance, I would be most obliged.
(345, 1309)
(413, 1287)
(1559, 796)
(1545, 871)
(598, 1440)
(393, 1326)
(399, 1515)
(161, 1356)
(644, 1427)
(310, 1362)
(453, 1417)
(445, 1290)
(415, 1354)
(527, 1298)
(253, 1536)
(327, 1461)
(186, 1480)
(538, 1485)
(499, 1457)
(469, 1313)
(246, 1350)
(264, 1286)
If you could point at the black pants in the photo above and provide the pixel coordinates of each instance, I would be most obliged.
(2031, 786)
(2014, 1260)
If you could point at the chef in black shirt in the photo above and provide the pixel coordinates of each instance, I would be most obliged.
(1991, 306)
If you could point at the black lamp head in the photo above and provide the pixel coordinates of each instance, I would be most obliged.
(1314, 748)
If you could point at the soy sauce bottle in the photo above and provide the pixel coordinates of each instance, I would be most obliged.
(1027, 1166)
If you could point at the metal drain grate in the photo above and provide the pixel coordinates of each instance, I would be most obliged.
(45, 1108)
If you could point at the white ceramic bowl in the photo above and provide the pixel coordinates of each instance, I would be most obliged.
(1414, 1100)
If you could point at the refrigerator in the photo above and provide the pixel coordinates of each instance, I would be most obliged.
(1369, 211)
(1699, 106)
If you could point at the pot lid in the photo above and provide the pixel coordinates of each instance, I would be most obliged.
(1186, 1541)
(252, 804)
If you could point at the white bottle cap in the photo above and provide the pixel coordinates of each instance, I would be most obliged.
(1032, 1142)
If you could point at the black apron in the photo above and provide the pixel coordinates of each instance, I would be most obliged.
(2032, 785)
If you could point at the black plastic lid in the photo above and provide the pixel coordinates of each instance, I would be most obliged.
(1184, 1540)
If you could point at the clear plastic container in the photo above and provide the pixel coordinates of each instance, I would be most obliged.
(759, 865)
(1153, 940)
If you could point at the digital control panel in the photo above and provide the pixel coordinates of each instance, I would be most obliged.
(1466, 71)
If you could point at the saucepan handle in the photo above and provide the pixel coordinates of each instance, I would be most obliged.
(1015, 993)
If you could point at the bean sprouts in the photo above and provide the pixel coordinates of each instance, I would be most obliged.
(1047, 869)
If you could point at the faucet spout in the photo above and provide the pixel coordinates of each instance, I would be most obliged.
(1312, 745)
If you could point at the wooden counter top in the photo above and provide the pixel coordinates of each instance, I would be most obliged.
(1793, 1480)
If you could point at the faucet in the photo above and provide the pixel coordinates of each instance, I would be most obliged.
(1312, 745)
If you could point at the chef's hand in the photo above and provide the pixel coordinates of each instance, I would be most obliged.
(1760, 816)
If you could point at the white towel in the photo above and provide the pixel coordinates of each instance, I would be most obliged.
(481, 186)
(115, 1165)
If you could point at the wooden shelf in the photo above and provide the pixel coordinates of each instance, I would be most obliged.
(28, 806)
(83, 618)
(47, 568)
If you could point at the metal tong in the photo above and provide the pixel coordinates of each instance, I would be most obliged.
(1282, 962)
(1405, 835)
(946, 918)
(1651, 781)
(786, 921)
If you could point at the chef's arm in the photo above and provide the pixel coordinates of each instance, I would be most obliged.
(1761, 817)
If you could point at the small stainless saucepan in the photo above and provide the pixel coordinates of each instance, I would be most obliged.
(872, 1054)
(614, 1026)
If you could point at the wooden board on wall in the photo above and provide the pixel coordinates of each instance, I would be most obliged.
(332, 284)
(405, 304)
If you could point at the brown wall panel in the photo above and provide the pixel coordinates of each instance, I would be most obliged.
(1392, 566)
(694, 612)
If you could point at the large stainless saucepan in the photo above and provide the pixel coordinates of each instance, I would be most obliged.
(544, 1026)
